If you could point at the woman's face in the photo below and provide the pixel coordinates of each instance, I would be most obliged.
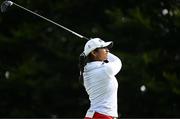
(100, 54)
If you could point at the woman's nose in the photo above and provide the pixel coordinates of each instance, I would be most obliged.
(107, 50)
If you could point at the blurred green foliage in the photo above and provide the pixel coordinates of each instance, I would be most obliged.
(39, 61)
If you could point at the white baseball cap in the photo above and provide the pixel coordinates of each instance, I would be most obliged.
(94, 43)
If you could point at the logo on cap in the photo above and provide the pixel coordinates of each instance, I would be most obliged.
(100, 40)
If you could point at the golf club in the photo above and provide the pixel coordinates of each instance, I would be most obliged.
(7, 3)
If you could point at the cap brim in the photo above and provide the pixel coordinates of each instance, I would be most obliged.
(109, 44)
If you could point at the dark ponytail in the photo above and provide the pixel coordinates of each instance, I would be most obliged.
(82, 63)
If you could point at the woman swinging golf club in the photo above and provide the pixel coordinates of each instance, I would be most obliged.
(98, 68)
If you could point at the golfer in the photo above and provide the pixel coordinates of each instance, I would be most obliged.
(98, 68)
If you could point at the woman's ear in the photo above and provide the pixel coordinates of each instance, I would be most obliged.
(93, 53)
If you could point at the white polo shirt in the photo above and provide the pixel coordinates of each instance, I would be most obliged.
(101, 86)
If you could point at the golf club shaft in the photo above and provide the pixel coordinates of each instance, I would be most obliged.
(51, 21)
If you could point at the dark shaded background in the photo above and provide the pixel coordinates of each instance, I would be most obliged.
(39, 61)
